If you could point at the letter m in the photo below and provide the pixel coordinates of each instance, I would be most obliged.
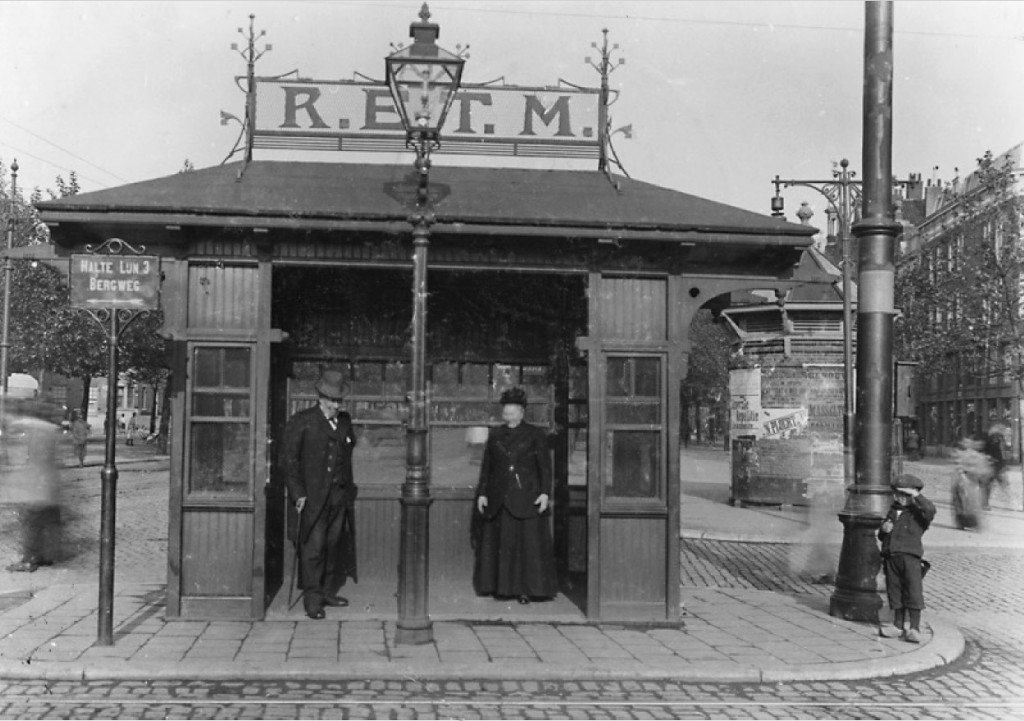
(535, 107)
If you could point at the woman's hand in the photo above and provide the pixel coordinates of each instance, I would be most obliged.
(541, 503)
(886, 526)
(481, 503)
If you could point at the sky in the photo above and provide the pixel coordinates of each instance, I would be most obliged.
(721, 96)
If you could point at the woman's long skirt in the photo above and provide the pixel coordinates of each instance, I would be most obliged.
(515, 557)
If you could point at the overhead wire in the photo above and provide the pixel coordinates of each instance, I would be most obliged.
(508, 10)
(63, 150)
(24, 153)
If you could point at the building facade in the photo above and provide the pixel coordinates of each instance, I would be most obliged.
(959, 276)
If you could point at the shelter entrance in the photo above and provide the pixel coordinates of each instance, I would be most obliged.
(487, 331)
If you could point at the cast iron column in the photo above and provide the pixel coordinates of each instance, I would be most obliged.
(856, 595)
(4, 344)
(414, 625)
(108, 497)
(849, 379)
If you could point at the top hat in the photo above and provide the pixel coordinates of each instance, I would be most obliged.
(332, 385)
(514, 396)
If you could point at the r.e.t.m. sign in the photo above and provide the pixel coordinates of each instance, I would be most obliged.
(115, 281)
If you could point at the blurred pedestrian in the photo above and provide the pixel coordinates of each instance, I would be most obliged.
(131, 430)
(913, 447)
(972, 472)
(993, 448)
(902, 555)
(33, 484)
(514, 551)
(79, 436)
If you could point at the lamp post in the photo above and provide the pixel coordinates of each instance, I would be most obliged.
(423, 79)
(842, 193)
(856, 597)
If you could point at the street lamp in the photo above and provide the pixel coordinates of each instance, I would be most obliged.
(842, 193)
(423, 80)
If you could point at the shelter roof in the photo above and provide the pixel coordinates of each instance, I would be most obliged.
(820, 282)
(464, 199)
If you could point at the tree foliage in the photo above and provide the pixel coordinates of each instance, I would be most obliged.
(707, 378)
(960, 293)
(47, 335)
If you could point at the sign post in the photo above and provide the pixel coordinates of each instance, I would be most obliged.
(115, 284)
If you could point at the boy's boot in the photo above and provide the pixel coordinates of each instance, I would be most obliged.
(913, 634)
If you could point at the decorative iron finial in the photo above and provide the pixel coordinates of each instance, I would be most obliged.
(804, 213)
(605, 67)
(248, 127)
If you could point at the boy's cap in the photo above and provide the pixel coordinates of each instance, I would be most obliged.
(907, 481)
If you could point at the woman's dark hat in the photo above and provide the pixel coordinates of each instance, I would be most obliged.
(332, 385)
(514, 396)
(907, 481)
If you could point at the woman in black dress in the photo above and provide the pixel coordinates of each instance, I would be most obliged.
(514, 555)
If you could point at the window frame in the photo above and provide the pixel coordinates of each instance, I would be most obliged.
(232, 497)
(657, 503)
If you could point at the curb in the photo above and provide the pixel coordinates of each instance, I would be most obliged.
(736, 537)
(946, 646)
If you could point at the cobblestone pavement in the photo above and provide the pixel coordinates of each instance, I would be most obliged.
(141, 522)
(980, 590)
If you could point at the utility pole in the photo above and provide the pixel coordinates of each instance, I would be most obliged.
(856, 596)
(4, 338)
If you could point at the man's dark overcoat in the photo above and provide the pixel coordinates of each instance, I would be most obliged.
(315, 457)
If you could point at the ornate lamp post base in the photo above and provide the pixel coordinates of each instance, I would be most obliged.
(856, 594)
(414, 625)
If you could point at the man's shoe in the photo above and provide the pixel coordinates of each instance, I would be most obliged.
(890, 631)
(339, 601)
(315, 613)
(912, 636)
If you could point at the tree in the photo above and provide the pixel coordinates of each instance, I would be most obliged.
(707, 379)
(47, 335)
(960, 293)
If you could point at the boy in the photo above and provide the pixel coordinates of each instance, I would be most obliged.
(908, 518)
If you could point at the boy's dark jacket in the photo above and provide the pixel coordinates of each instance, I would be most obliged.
(908, 528)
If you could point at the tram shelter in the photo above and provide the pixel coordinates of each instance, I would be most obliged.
(579, 286)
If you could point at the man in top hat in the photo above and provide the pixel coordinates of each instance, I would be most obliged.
(317, 461)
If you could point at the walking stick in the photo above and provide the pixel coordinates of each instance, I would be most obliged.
(295, 564)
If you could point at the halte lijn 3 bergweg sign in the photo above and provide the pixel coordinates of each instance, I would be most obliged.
(112, 281)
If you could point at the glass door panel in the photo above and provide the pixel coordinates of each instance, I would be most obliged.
(633, 466)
